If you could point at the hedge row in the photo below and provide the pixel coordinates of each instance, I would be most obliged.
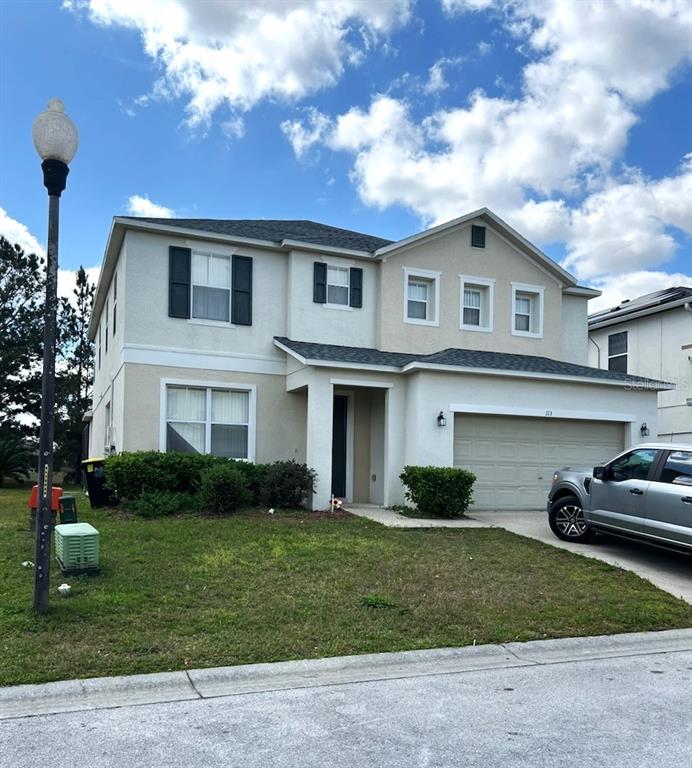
(148, 481)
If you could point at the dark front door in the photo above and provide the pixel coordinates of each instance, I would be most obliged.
(339, 446)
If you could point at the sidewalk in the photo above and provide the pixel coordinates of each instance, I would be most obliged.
(393, 519)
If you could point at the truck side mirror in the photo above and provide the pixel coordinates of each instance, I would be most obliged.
(600, 473)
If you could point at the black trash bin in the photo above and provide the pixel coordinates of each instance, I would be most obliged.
(95, 472)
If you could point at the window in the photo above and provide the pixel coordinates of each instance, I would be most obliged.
(421, 296)
(115, 301)
(476, 312)
(99, 345)
(633, 466)
(106, 318)
(527, 313)
(108, 432)
(617, 352)
(678, 468)
(209, 419)
(477, 236)
(211, 287)
(338, 286)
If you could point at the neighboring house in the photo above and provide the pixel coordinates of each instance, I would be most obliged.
(651, 336)
(463, 345)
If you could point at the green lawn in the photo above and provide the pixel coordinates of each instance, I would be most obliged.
(195, 592)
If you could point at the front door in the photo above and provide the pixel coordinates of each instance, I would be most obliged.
(339, 446)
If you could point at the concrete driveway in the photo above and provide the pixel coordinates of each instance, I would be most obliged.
(669, 571)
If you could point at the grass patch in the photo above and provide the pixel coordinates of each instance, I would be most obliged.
(184, 592)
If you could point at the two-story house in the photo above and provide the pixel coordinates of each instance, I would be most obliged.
(463, 345)
(651, 336)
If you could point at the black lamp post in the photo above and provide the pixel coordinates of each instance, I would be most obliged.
(55, 139)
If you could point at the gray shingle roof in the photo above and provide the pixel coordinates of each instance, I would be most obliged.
(276, 230)
(650, 301)
(457, 358)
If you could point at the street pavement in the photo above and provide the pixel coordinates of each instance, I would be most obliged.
(549, 704)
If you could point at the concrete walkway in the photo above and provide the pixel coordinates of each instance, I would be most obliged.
(601, 702)
(393, 519)
(669, 571)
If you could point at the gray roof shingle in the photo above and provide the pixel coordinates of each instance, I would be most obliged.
(457, 358)
(276, 230)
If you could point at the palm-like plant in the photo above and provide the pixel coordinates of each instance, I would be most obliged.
(15, 460)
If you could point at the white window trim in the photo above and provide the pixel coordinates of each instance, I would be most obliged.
(342, 307)
(251, 389)
(619, 354)
(426, 274)
(484, 282)
(204, 320)
(539, 291)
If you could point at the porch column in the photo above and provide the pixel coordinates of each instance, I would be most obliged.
(395, 437)
(319, 439)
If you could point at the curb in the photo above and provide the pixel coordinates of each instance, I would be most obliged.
(108, 692)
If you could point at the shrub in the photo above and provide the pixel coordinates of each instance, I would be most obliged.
(159, 503)
(128, 475)
(224, 489)
(287, 484)
(14, 459)
(255, 478)
(439, 491)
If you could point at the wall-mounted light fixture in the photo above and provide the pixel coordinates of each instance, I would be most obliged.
(644, 430)
(441, 421)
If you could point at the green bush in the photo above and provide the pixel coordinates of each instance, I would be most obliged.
(128, 475)
(439, 491)
(159, 503)
(15, 459)
(287, 484)
(255, 478)
(224, 489)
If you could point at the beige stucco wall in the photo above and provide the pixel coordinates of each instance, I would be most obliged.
(655, 350)
(452, 255)
(281, 415)
(575, 334)
(307, 320)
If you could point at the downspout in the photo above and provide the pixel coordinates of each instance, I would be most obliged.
(598, 348)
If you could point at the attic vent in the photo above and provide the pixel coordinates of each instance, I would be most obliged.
(477, 236)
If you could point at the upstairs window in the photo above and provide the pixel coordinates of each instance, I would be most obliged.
(115, 302)
(211, 287)
(338, 286)
(99, 346)
(527, 310)
(617, 352)
(476, 313)
(106, 317)
(477, 236)
(421, 296)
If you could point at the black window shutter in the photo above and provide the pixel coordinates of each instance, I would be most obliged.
(179, 281)
(241, 282)
(356, 293)
(477, 236)
(319, 283)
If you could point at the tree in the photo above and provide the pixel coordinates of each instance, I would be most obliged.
(21, 328)
(75, 374)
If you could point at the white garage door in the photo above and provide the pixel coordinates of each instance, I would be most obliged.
(514, 457)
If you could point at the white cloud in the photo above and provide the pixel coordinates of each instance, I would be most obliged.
(141, 205)
(239, 53)
(67, 280)
(618, 287)
(590, 69)
(303, 134)
(437, 81)
(460, 6)
(18, 233)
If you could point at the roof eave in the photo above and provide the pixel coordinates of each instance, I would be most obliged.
(626, 316)
(582, 290)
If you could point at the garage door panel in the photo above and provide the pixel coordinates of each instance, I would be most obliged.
(514, 457)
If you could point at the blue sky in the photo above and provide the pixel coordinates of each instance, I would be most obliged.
(571, 120)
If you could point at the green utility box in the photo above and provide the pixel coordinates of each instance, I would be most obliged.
(77, 548)
(68, 509)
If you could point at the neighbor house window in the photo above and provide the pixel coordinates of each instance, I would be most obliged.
(115, 301)
(476, 312)
(527, 310)
(209, 419)
(338, 286)
(106, 316)
(99, 345)
(421, 296)
(211, 287)
(617, 352)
